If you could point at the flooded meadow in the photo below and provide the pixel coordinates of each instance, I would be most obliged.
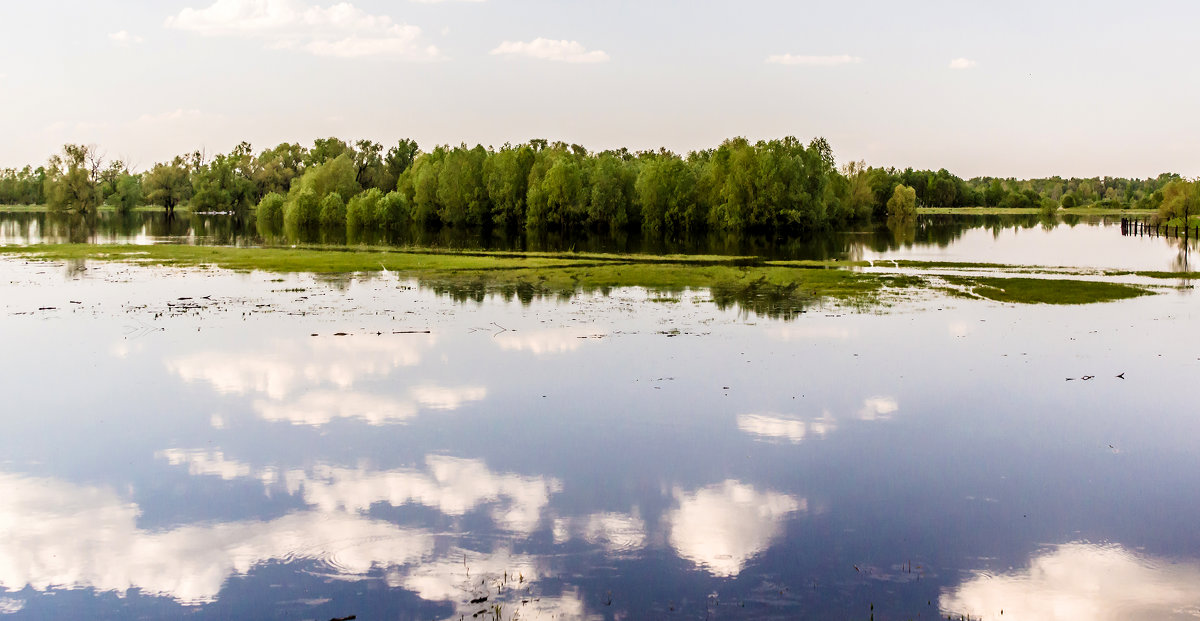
(214, 443)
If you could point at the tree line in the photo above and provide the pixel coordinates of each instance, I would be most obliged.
(765, 186)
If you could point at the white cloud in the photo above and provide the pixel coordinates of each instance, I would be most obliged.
(962, 63)
(547, 49)
(1081, 581)
(206, 463)
(320, 407)
(342, 30)
(818, 61)
(878, 408)
(774, 427)
(60, 535)
(287, 366)
(450, 485)
(546, 342)
(721, 527)
(124, 39)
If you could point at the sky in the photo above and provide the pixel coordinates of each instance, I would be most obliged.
(1022, 89)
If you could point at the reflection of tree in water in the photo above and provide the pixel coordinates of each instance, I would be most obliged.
(73, 228)
(903, 230)
(763, 298)
(1184, 247)
(113, 227)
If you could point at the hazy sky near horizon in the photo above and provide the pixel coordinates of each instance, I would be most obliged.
(1020, 88)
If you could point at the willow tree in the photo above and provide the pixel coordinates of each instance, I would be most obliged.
(72, 180)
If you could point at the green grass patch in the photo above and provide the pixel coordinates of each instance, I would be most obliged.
(775, 288)
(1046, 290)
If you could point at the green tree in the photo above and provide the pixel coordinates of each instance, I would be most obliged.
(224, 183)
(398, 159)
(461, 192)
(392, 211)
(666, 191)
(370, 167)
(274, 169)
(325, 150)
(167, 184)
(127, 193)
(302, 210)
(333, 211)
(903, 204)
(336, 175)
(613, 187)
(270, 212)
(506, 176)
(419, 185)
(72, 181)
(362, 210)
(1180, 201)
(556, 195)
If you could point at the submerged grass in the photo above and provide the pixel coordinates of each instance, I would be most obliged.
(1046, 290)
(774, 288)
(1031, 211)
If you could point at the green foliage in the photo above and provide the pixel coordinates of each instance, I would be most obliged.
(419, 185)
(274, 169)
(335, 175)
(302, 210)
(666, 192)
(325, 150)
(1180, 201)
(506, 175)
(72, 180)
(127, 193)
(361, 211)
(270, 211)
(556, 198)
(23, 187)
(461, 193)
(903, 204)
(167, 184)
(224, 184)
(770, 186)
(612, 191)
(392, 212)
(398, 159)
(333, 211)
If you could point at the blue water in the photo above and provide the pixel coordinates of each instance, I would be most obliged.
(229, 456)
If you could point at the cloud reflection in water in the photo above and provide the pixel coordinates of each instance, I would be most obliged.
(290, 365)
(721, 527)
(1082, 581)
(60, 535)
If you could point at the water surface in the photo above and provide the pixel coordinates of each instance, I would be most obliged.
(210, 444)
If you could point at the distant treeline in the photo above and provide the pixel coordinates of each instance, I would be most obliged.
(776, 185)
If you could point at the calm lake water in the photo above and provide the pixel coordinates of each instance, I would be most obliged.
(215, 445)
(1093, 242)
